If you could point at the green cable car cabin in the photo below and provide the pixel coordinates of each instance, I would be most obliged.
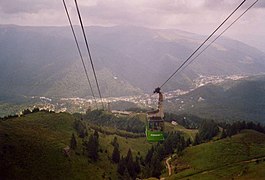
(155, 121)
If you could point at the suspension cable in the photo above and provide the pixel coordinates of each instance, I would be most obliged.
(88, 50)
(203, 43)
(220, 34)
(79, 51)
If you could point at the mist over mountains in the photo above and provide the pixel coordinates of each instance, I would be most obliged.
(129, 60)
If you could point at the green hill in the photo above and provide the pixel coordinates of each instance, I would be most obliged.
(188, 133)
(239, 157)
(31, 147)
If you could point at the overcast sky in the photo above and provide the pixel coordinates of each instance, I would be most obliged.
(200, 16)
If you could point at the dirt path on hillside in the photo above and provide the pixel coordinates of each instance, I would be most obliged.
(168, 166)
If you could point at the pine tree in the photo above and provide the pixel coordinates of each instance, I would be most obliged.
(130, 164)
(208, 129)
(156, 166)
(149, 155)
(116, 154)
(121, 166)
(92, 147)
(73, 143)
(131, 170)
(137, 166)
(115, 142)
(160, 152)
(129, 156)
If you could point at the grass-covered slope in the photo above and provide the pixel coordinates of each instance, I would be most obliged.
(187, 133)
(31, 147)
(240, 157)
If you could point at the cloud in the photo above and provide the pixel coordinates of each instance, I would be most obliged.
(27, 6)
(200, 16)
(221, 3)
(186, 14)
(142, 12)
(228, 3)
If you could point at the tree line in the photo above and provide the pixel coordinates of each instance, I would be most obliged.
(129, 167)
(26, 112)
(103, 118)
(174, 143)
(229, 130)
(90, 145)
(186, 120)
(207, 130)
(118, 132)
(151, 165)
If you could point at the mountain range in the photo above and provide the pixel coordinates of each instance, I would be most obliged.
(230, 100)
(128, 60)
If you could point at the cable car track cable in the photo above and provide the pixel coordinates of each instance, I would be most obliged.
(220, 34)
(203, 43)
(88, 50)
(79, 51)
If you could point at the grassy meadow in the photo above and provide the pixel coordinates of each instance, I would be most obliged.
(241, 157)
(31, 147)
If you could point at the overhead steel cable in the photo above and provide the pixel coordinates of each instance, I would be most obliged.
(220, 34)
(79, 51)
(88, 50)
(203, 43)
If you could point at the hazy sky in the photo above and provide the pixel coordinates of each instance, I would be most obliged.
(200, 16)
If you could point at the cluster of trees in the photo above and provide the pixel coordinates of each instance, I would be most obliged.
(8, 117)
(118, 132)
(36, 109)
(80, 128)
(73, 142)
(116, 152)
(25, 112)
(185, 120)
(234, 128)
(207, 130)
(103, 118)
(173, 143)
(91, 146)
(137, 110)
(127, 167)
(151, 165)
